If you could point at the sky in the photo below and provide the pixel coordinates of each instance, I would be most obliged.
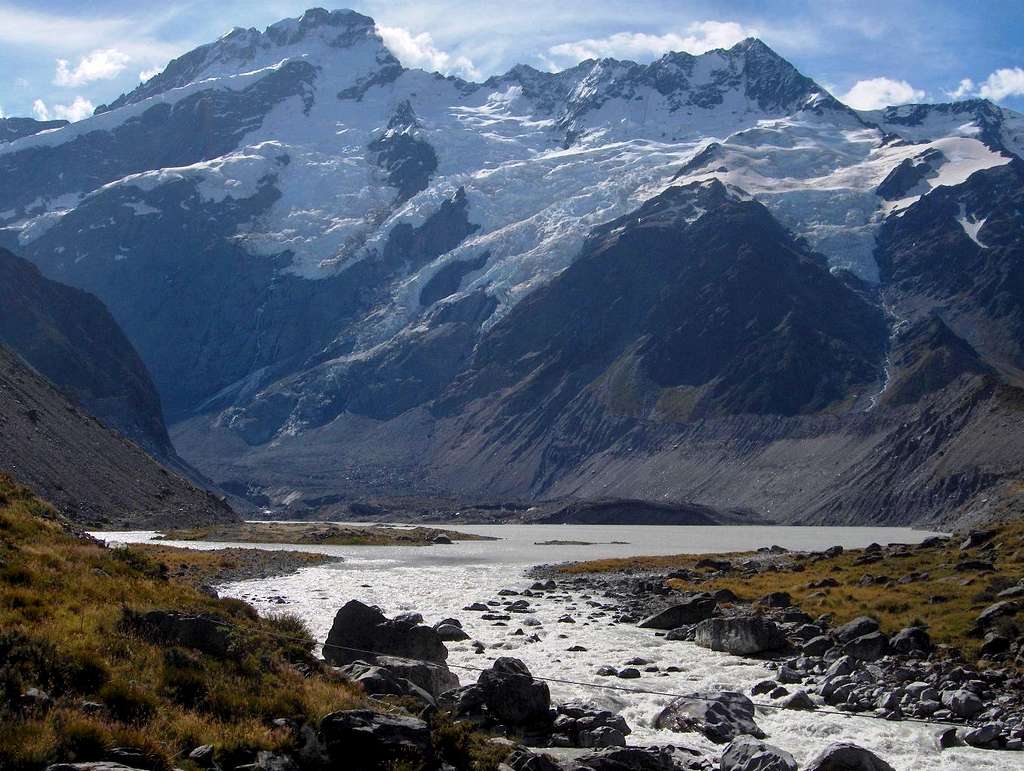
(62, 58)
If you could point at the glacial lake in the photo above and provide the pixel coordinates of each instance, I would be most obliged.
(438, 581)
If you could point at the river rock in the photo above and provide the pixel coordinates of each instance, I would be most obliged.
(690, 611)
(720, 717)
(511, 694)
(912, 639)
(668, 758)
(868, 647)
(451, 633)
(859, 627)
(432, 678)
(843, 756)
(359, 629)
(740, 635)
(745, 753)
(364, 739)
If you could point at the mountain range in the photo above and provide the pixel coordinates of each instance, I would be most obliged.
(703, 279)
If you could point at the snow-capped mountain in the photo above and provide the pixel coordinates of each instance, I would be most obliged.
(306, 240)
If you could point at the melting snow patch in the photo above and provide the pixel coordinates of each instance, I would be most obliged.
(971, 226)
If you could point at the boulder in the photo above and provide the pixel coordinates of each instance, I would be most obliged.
(776, 600)
(441, 539)
(368, 740)
(912, 639)
(360, 631)
(690, 611)
(432, 678)
(868, 647)
(720, 717)
(859, 627)
(799, 700)
(669, 758)
(843, 756)
(740, 635)
(962, 703)
(451, 633)
(817, 646)
(996, 611)
(512, 696)
(745, 753)
(523, 759)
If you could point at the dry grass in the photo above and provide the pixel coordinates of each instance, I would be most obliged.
(947, 601)
(61, 607)
(215, 565)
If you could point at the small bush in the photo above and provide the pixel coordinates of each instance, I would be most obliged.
(128, 703)
(81, 739)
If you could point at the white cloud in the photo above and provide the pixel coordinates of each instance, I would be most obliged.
(699, 37)
(149, 74)
(962, 91)
(79, 109)
(2, 115)
(876, 93)
(420, 51)
(1003, 83)
(103, 64)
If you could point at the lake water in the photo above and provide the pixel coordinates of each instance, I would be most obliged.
(438, 581)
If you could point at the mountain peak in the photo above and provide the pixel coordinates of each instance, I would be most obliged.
(313, 35)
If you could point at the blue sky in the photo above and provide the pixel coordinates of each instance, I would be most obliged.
(59, 58)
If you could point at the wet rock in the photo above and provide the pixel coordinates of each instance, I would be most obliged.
(522, 759)
(451, 633)
(745, 753)
(359, 628)
(740, 635)
(763, 686)
(799, 700)
(477, 606)
(720, 717)
(669, 758)
(511, 694)
(628, 673)
(441, 540)
(843, 756)
(376, 740)
(984, 737)
(690, 611)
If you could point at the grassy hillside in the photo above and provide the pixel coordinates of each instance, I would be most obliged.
(66, 605)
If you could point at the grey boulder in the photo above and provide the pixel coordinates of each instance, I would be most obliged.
(745, 753)
(843, 756)
(720, 717)
(740, 635)
(693, 609)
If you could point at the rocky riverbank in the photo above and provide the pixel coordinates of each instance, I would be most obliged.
(322, 534)
(215, 566)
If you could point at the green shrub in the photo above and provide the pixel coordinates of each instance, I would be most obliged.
(128, 703)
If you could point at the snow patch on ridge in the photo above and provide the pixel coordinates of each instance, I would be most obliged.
(971, 226)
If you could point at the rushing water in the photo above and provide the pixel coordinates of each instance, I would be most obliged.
(438, 581)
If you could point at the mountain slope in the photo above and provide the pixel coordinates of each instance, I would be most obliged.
(390, 250)
(90, 473)
(68, 336)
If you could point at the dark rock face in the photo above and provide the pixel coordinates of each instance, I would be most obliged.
(745, 753)
(512, 696)
(720, 717)
(71, 339)
(16, 128)
(909, 174)
(406, 157)
(694, 609)
(360, 631)
(740, 635)
(365, 739)
(653, 293)
(448, 279)
(847, 757)
(91, 474)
